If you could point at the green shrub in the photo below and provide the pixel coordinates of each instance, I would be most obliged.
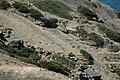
(4, 47)
(117, 71)
(25, 52)
(54, 66)
(25, 59)
(87, 56)
(81, 31)
(35, 14)
(115, 36)
(4, 4)
(118, 14)
(101, 28)
(29, 55)
(86, 12)
(21, 7)
(54, 7)
(96, 38)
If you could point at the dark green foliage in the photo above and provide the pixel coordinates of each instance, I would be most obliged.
(29, 55)
(25, 52)
(101, 28)
(118, 14)
(96, 38)
(115, 36)
(35, 14)
(117, 71)
(21, 7)
(87, 56)
(54, 66)
(86, 12)
(54, 7)
(4, 47)
(2, 44)
(81, 31)
(4, 4)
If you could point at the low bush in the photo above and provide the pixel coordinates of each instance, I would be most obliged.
(54, 66)
(21, 7)
(25, 52)
(96, 38)
(29, 55)
(54, 7)
(4, 47)
(101, 28)
(81, 31)
(117, 71)
(87, 56)
(4, 4)
(118, 14)
(86, 12)
(35, 14)
(113, 35)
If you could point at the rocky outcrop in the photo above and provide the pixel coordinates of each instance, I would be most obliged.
(5, 33)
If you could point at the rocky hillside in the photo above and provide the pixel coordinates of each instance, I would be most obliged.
(69, 37)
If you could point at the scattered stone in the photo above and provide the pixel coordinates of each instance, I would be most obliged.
(62, 27)
(113, 48)
(40, 23)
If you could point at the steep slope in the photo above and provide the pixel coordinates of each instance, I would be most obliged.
(13, 69)
(69, 37)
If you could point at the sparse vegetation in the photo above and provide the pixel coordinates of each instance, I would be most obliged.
(54, 66)
(29, 55)
(4, 47)
(96, 38)
(117, 71)
(115, 36)
(63, 60)
(35, 14)
(81, 31)
(4, 4)
(87, 56)
(21, 7)
(54, 7)
(84, 11)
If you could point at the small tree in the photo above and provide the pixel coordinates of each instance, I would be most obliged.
(4, 4)
(21, 7)
(96, 38)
